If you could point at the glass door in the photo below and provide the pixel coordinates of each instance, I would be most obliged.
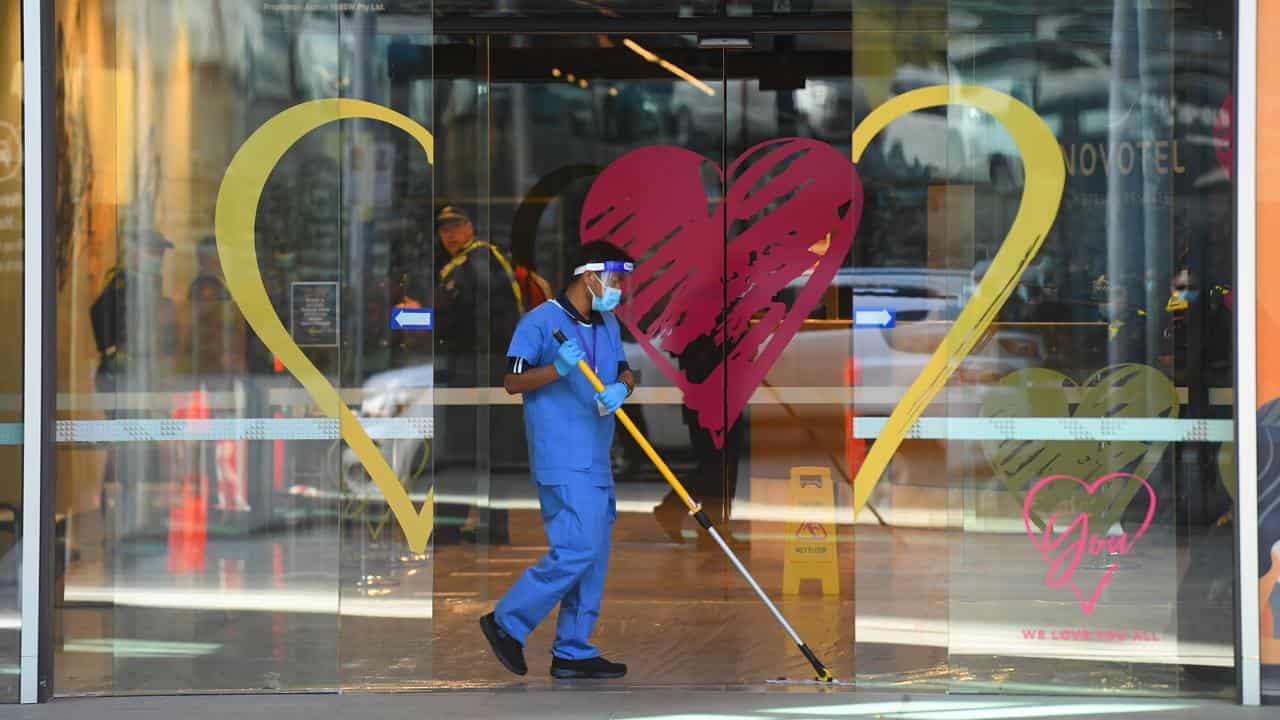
(391, 374)
(727, 176)
(576, 126)
(793, 213)
(245, 370)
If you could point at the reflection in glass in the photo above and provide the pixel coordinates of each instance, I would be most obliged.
(199, 483)
(1110, 322)
(218, 535)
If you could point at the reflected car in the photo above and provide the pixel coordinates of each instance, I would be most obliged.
(404, 394)
(821, 355)
(883, 360)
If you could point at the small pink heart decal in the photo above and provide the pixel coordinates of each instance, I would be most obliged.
(707, 267)
(1065, 553)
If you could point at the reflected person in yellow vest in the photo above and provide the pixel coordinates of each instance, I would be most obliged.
(135, 330)
(477, 306)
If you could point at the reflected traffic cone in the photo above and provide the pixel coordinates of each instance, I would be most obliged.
(177, 526)
(198, 506)
(188, 507)
(855, 449)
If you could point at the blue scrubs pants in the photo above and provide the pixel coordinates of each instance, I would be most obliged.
(578, 516)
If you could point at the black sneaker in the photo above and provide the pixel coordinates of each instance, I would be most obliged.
(596, 668)
(509, 652)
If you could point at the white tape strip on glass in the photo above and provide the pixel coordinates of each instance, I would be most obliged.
(161, 430)
(1056, 428)
(931, 428)
(654, 395)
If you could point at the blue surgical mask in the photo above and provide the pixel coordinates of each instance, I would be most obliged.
(606, 303)
(1188, 295)
(612, 296)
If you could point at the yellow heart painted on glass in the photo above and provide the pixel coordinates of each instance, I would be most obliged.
(234, 221)
(1045, 174)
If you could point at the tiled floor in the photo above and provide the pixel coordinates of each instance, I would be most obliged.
(322, 606)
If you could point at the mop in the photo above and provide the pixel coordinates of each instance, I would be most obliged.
(822, 674)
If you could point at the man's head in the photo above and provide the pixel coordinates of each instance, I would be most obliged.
(1185, 286)
(1049, 291)
(146, 249)
(454, 228)
(207, 255)
(603, 269)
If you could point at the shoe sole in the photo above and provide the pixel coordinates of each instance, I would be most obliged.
(575, 675)
(493, 639)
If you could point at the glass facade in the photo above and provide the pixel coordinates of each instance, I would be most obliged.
(933, 312)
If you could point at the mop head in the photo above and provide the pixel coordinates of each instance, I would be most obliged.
(828, 681)
(821, 677)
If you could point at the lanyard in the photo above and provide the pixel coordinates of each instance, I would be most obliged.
(591, 356)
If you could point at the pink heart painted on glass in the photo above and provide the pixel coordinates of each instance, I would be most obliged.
(704, 302)
(1065, 553)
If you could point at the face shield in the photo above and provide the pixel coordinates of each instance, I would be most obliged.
(614, 280)
(612, 274)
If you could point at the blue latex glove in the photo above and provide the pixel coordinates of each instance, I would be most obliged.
(567, 357)
(612, 397)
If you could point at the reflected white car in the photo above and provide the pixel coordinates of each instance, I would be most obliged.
(403, 394)
(884, 361)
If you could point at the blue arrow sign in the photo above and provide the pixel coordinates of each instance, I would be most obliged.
(874, 318)
(411, 318)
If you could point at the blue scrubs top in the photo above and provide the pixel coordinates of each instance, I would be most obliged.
(568, 438)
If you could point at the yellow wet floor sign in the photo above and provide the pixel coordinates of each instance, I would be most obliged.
(811, 538)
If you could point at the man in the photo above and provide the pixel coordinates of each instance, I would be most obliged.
(1126, 324)
(131, 318)
(473, 268)
(216, 343)
(1197, 337)
(714, 480)
(569, 427)
(469, 340)
(135, 329)
(217, 329)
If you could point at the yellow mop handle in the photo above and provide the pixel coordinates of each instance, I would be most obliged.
(642, 442)
(821, 671)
